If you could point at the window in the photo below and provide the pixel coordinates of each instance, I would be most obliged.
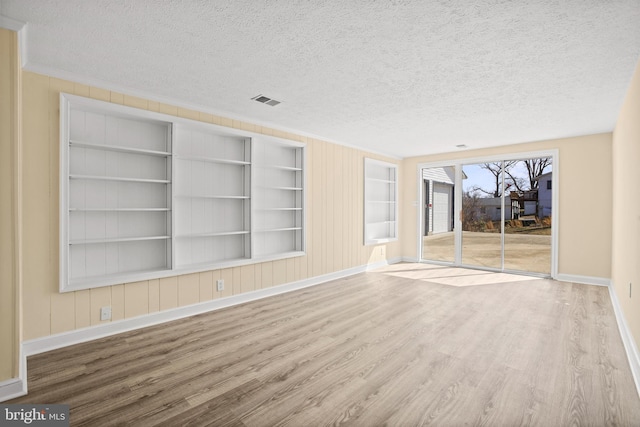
(549, 185)
(146, 195)
(381, 205)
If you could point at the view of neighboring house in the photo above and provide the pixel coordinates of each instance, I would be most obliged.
(544, 194)
(491, 207)
(519, 204)
(439, 184)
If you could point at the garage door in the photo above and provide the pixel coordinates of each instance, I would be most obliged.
(441, 207)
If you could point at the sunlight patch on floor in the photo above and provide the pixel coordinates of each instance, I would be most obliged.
(450, 276)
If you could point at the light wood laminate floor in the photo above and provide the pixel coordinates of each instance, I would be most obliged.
(406, 345)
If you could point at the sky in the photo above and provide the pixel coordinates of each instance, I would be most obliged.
(477, 176)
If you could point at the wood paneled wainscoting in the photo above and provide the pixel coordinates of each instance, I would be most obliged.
(406, 345)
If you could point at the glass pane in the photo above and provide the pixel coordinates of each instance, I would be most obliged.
(481, 214)
(438, 243)
(528, 210)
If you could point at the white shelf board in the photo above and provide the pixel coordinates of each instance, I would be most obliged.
(384, 181)
(182, 196)
(269, 230)
(120, 179)
(117, 240)
(284, 168)
(284, 188)
(212, 160)
(108, 147)
(119, 209)
(221, 233)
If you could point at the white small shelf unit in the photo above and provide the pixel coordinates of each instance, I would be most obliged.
(381, 201)
(279, 198)
(146, 195)
(213, 197)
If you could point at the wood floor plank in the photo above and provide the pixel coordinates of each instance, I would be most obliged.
(398, 346)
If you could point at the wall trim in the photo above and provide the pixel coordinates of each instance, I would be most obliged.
(16, 387)
(64, 339)
(20, 28)
(12, 388)
(11, 24)
(630, 347)
(585, 280)
(633, 355)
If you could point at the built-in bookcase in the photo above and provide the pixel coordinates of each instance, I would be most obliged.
(212, 196)
(279, 198)
(146, 195)
(119, 195)
(381, 201)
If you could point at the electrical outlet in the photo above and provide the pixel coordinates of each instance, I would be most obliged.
(105, 313)
(220, 285)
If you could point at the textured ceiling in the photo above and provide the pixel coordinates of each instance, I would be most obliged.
(403, 77)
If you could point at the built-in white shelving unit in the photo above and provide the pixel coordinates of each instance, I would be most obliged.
(118, 207)
(381, 201)
(279, 198)
(213, 196)
(146, 195)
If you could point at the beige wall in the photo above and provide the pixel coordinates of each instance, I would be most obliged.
(9, 142)
(585, 213)
(334, 222)
(625, 257)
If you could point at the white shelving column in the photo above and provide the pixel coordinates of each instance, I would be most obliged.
(117, 204)
(212, 197)
(279, 198)
(381, 201)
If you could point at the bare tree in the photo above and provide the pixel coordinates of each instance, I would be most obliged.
(535, 168)
(495, 169)
(471, 215)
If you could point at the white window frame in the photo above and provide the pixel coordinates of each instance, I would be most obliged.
(458, 163)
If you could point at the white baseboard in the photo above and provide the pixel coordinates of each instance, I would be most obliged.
(12, 388)
(585, 280)
(15, 387)
(630, 346)
(627, 338)
(18, 386)
(52, 342)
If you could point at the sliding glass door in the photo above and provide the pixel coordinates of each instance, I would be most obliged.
(438, 189)
(502, 220)
(481, 215)
(528, 203)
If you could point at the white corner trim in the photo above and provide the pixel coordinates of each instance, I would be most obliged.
(20, 28)
(52, 342)
(11, 24)
(627, 338)
(12, 388)
(585, 280)
(15, 387)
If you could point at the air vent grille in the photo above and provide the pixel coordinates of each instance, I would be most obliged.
(266, 100)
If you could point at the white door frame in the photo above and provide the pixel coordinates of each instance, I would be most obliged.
(458, 163)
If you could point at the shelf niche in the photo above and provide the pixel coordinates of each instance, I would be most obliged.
(145, 195)
(381, 201)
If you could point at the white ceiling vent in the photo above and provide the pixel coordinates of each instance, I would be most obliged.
(266, 100)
